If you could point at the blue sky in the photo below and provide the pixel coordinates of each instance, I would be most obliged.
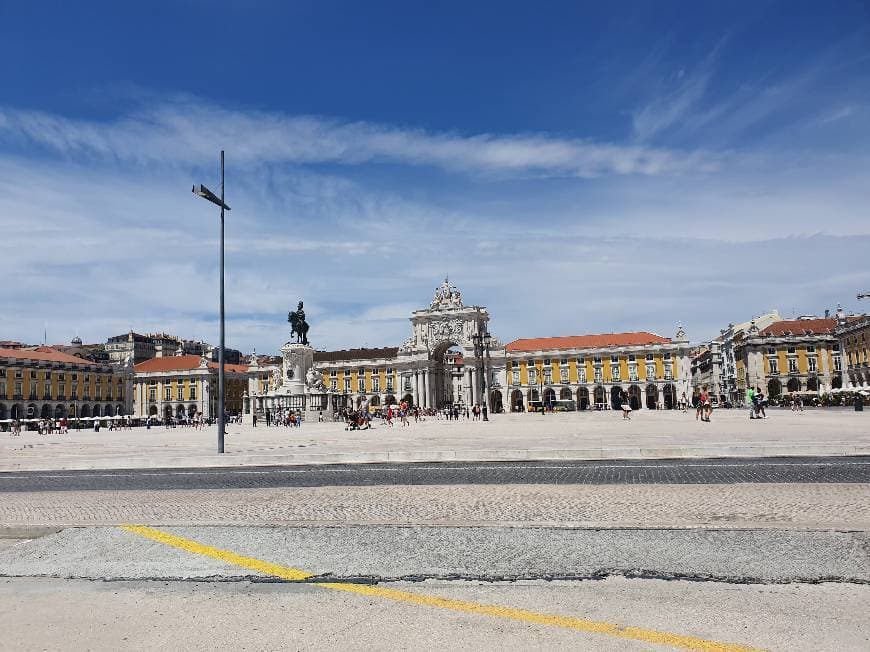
(613, 166)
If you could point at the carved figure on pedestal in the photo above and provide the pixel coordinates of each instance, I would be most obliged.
(298, 325)
(314, 381)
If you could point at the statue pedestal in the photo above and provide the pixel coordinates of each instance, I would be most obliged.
(298, 359)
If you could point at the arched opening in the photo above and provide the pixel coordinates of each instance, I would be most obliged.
(167, 413)
(60, 412)
(17, 411)
(794, 385)
(32, 411)
(446, 361)
(600, 395)
(670, 396)
(549, 398)
(812, 384)
(837, 382)
(3, 411)
(85, 411)
(517, 404)
(409, 399)
(564, 394)
(495, 402)
(582, 399)
(616, 397)
(179, 411)
(108, 411)
(390, 400)
(376, 401)
(191, 410)
(774, 388)
(652, 397)
(152, 411)
(119, 410)
(634, 397)
(534, 396)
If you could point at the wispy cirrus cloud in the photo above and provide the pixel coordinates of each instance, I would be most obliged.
(186, 132)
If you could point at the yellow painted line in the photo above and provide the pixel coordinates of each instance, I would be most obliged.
(565, 622)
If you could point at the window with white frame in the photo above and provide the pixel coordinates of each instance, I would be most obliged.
(389, 380)
(333, 384)
(548, 376)
(838, 363)
(581, 374)
(792, 365)
(376, 383)
(361, 383)
(669, 371)
(632, 372)
(191, 391)
(167, 392)
(599, 375)
(347, 384)
(774, 365)
(563, 372)
(533, 376)
(614, 372)
(811, 363)
(650, 371)
(516, 376)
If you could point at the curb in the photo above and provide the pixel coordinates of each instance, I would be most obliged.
(436, 456)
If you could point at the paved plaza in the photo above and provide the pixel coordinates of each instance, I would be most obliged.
(587, 435)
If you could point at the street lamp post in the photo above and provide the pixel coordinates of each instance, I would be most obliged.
(481, 349)
(205, 193)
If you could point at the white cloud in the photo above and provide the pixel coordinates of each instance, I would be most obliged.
(187, 132)
(97, 243)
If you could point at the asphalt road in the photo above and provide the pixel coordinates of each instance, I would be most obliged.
(684, 471)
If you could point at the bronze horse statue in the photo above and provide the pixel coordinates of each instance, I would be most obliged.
(298, 325)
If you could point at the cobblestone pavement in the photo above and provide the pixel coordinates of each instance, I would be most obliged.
(587, 435)
(838, 506)
(711, 471)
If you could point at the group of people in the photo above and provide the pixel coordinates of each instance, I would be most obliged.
(198, 421)
(287, 418)
(756, 401)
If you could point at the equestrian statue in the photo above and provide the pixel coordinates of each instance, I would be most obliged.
(298, 325)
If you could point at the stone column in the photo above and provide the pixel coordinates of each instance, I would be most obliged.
(660, 396)
(416, 390)
(427, 390)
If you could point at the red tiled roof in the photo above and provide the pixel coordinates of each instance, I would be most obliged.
(170, 363)
(800, 327)
(356, 354)
(44, 353)
(183, 363)
(586, 341)
(234, 368)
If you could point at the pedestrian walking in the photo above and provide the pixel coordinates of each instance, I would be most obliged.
(626, 407)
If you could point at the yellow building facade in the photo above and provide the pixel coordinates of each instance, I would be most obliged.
(44, 383)
(183, 386)
(853, 334)
(796, 355)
